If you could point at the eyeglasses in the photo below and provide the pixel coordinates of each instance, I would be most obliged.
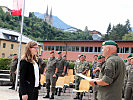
(35, 47)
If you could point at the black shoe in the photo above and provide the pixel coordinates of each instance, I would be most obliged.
(52, 96)
(11, 88)
(47, 96)
(77, 97)
(81, 96)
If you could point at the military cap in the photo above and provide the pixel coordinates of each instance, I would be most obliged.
(51, 51)
(100, 56)
(40, 55)
(14, 54)
(64, 55)
(81, 55)
(125, 60)
(95, 55)
(85, 56)
(109, 42)
(59, 52)
(130, 55)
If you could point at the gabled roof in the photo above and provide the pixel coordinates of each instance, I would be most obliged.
(7, 32)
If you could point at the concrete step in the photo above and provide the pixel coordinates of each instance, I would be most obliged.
(7, 76)
(4, 71)
(4, 82)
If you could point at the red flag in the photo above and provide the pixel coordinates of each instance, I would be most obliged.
(17, 7)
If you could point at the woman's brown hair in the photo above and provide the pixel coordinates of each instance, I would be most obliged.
(27, 55)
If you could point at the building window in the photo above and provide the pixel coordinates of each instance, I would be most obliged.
(77, 49)
(45, 48)
(91, 49)
(11, 46)
(99, 49)
(126, 49)
(3, 55)
(131, 49)
(64, 48)
(57, 48)
(4, 45)
(73, 49)
(69, 48)
(95, 49)
(52, 47)
(49, 48)
(86, 49)
(82, 49)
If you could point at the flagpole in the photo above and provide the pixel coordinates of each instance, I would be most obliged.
(19, 55)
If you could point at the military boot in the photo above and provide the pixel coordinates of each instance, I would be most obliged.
(59, 93)
(52, 96)
(47, 96)
(81, 96)
(77, 96)
(13, 87)
(56, 91)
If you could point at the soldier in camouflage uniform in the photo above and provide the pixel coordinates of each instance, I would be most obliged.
(51, 71)
(94, 64)
(100, 62)
(41, 64)
(80, 67)
(67, 69)
(128, 64)
(111, 75)
(13, 67)
(61, 64)
(129, 84)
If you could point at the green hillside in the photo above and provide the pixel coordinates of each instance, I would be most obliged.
(37, 29)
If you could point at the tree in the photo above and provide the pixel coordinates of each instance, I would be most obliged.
(128, 25)
(109, 28)
(128, 36)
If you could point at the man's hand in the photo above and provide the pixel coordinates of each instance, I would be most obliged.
(98, 68)
(63, 73)
(54, 75)
(91, 82)
(24, 97)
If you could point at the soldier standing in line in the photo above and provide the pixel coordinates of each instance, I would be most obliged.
(80, 67)
(111, 76)
(13, 67)
(61, 64)
(67, 69)
(129, 85)
(94, 63)
(100, 62)
(41, 64)
(51, 71)
(128, 64)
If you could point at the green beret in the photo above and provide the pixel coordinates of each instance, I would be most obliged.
(81, 55)
(109, 42)
(39, 55)
(125, 60)
(85, 56)
(100, 56)
(130, 55)
(59, 52)
(95, 55)
(14, 54)
(64, 55)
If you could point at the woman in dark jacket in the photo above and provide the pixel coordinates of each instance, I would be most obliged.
(29, 73)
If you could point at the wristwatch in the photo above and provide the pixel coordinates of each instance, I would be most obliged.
(95, 82)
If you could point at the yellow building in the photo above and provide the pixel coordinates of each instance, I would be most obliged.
(9, 43)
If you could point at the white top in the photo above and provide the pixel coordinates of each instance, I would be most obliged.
(36, 72)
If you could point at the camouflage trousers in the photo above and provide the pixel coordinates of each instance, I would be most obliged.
(50, 80)
(129, 92)
(12, 77)
(77, 82)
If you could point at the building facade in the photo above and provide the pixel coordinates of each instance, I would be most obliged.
(9, 43)
(89, 48)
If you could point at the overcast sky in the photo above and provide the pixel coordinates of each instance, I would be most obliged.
(96, 14)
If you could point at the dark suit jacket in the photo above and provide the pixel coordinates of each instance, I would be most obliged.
(27, 77)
